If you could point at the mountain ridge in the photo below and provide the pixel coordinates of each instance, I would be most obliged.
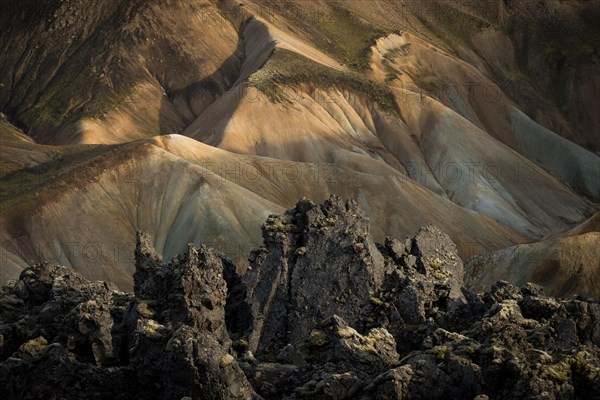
(423, 113)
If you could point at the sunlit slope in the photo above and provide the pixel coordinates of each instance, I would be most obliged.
(564, 266)
(184, 191)
(295, 108)
(90, 223)
(409, 64)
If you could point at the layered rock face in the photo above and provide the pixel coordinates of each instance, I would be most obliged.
(322, 313)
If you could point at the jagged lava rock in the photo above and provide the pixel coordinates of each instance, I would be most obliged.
(67, 337)
(317, 261)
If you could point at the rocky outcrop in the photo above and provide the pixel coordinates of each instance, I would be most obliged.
(311, 252)
(65, 337)
(323, 313)
(320, 261)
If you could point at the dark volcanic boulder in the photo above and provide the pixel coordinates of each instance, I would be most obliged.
(321, 260)
(180, 345)
(317, 261)
(63, 336)
(425, 275)
(56, 304)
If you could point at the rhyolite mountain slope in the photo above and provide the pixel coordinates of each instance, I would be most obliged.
(393, 322)
(193, 120)
(564, 264)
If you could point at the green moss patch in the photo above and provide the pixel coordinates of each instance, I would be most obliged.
(318, 338)
(286, 68)
(350, 37)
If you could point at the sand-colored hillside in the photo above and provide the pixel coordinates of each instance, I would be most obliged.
(184, 191)
(563, 266)
(314, 119)
(194, 120)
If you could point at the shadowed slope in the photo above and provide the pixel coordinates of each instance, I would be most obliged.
(116, 69)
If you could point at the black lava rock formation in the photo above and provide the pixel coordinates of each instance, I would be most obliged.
(322, 313)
